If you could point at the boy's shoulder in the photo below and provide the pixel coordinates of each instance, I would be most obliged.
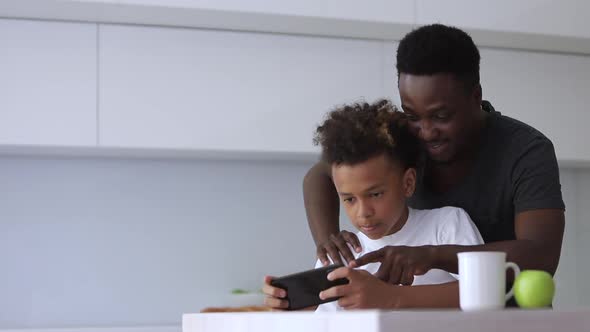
(441, 214)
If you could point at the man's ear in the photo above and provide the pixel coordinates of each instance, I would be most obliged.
(477, 95)
(409, 182)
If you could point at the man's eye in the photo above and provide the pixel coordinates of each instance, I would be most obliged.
(412, 117)
(442, 116)
(377, 194)
(348, 200)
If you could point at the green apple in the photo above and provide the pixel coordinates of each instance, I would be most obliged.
(534, 289)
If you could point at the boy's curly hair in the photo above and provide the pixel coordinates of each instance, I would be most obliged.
(354, 133)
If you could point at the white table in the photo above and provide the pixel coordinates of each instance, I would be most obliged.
(379, 321)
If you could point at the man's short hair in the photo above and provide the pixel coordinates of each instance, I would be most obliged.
(438, 48)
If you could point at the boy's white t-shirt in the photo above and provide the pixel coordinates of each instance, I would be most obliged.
(446, 225)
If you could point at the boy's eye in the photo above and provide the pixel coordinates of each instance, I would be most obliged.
(412, 117)
(348, 200)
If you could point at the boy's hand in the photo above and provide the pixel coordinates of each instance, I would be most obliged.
(274, 296)
(399, 264)
(337, 245)
(363, 291)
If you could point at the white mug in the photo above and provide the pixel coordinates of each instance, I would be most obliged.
(482, 280)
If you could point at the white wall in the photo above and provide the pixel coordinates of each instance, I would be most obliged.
(133, 242)
(115, 242)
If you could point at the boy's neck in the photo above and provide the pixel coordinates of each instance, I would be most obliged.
(400, 222)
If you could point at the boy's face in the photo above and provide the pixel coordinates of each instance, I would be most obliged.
(374, 194)
(440, 113)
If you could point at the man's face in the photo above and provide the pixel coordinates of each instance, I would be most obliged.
(374, 194)
(441, 113)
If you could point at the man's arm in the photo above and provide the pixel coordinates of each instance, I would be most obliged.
(322, 207)
(321, 203)
(539, 234)
(430, 296)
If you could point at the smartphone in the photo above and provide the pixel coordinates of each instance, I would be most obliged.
(303, 288)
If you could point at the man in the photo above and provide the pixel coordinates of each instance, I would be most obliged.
(503, 172)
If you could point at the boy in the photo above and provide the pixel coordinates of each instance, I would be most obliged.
(373, 157)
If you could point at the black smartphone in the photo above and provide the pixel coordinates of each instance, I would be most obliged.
(303, 288)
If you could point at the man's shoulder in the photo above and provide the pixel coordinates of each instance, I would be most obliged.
(513, 141)
(508, 129)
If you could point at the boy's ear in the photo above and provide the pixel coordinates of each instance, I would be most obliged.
(409, 182)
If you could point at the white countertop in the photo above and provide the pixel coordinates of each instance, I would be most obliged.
(377, 321)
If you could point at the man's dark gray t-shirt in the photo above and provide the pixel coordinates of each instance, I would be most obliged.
(515, 170)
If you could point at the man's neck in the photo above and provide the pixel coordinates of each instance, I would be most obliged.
(444, 175)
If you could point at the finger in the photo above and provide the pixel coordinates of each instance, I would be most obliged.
(395, 274)
(321, 253)
(384, 270)
(341, 272)
(270, 290)
(344, 249)
(275, 303)
(268, 279)
(346, 302)
(419, 271)
(333, 253)
(274, 291)
(372, 257)
(353, 240)
(335, 291)
(407, 277)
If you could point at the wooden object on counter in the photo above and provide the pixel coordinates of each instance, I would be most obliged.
(251, 308)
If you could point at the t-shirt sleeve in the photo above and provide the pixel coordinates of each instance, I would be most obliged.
(318, 264)
(459, 229)
(535, 177)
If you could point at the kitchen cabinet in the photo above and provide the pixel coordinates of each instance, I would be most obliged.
(371, 10)
(545, 25)
(547, 91)
(177, 88)
(548, 17)
(48, 83)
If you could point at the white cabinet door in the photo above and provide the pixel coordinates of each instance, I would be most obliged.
(218, 90)
(397, 11)
(565, 18)
(48, 83)
(547, 91)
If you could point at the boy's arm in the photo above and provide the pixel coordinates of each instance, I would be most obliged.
(365, 291)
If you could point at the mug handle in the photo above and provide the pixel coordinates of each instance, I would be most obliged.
(516, 269)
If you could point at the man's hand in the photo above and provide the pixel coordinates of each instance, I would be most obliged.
(337, 245)
(363, 291)
(399, 264)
